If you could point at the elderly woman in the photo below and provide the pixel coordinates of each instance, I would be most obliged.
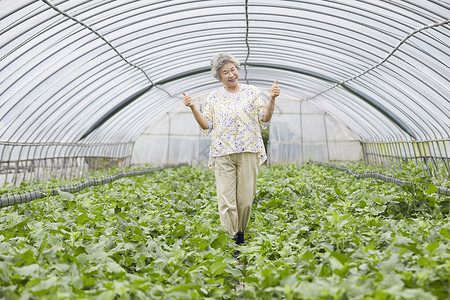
(233, 114)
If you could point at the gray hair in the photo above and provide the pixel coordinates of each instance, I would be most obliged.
(219, 60)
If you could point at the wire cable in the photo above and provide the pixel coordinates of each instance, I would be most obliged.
(55, 8)
(401, 42)
(246, 40)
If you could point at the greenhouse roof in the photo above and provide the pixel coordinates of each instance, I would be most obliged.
(103, 71)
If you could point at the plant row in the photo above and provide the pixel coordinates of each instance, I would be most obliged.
(314, 233)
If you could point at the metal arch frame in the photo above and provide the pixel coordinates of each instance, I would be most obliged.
(363, 132)
(420, 112)
(359, 94)
(79, 56)
(25, 19)
(374, 132)
(415, 4)
(114, 111)
(190, 24)
(85, 108)
(297, 31)
(217, 39)
(141, 126)
(85, 35)
(129, 83)
(391, 53)
(372, 102)
(134, 9)
(409, 84)
(344, 110)
(135, 121)
(164, 23)
(400, 126)
(69, 62)
(369, 86)
(62, 89)
(97, 34)
(319, 68)
(104, 27)
(141, 93)
(61, 66)
(420, 128)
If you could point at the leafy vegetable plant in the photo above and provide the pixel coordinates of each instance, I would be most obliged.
(315, 233)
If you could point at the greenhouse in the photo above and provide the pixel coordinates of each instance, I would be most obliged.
(107, 190)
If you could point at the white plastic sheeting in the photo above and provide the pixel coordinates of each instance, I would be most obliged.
(101, 71)
(300, 131)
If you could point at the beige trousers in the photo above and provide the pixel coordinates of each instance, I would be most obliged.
(236, 187)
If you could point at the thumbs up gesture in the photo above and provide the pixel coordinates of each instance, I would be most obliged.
(275, 90)
(187, 100)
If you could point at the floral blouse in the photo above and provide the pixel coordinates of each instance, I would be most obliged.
(234, 120)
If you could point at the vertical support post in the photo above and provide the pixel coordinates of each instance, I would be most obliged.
(326, 136)
(168, 138)
(301, 135)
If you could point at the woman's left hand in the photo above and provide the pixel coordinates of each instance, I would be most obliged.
(275, 90)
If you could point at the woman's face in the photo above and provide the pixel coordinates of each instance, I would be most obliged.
(229, 75)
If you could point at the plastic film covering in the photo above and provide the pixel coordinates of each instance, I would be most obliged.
(96, 72)
(67, 64)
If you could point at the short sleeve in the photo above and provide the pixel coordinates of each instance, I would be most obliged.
(261, 105)
(209, 113)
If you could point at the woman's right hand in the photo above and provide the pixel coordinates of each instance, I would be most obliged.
(199, 117)
(188, 101)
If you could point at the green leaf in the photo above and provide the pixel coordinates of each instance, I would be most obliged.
(65, 195)
(432, 246)
(336, 217)
(338, 263)
(27, 271)
(445, 232)
(44, 286)
(220, 241)
(309, 290)
(429, 188)
(113, 267)
(233, 271)
(218, 267)
(82, 218)
(335, 263)
(86, 202)
(179, 230)
(308, 256)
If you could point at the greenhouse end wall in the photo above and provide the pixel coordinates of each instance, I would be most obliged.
(303, 132)
(300, 131)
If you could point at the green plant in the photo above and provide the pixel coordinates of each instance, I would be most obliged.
(315, 233)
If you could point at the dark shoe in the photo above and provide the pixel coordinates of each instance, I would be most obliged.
(239, 238)
(236, 254)
(235, 237)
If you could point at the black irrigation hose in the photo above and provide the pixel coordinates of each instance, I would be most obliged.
(38, 194)
(440, 190)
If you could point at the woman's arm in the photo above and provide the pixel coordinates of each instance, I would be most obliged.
(199, 117)
(268, 110)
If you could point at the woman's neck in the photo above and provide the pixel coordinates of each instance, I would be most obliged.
(233, 89)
